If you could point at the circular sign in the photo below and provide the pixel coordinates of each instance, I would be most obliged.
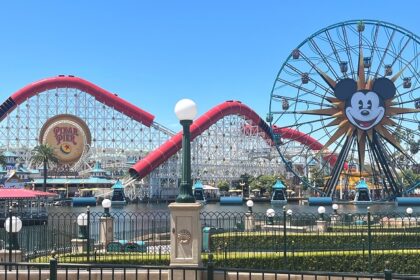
(68, 135)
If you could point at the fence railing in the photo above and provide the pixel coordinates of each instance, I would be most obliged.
(54, 270)
(233, 237)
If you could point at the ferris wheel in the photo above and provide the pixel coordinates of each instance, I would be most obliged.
(352, 90)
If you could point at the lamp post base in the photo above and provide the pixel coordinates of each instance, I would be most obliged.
(79, 245)
(321, 225)
(106, 230)
(4, 256)
(186, 239)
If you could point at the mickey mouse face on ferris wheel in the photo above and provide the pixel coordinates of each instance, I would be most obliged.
(365, 108)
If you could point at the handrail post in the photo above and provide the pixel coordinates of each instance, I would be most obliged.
(53, 266)
(369, 240)
(10, 236)
(88, 235)
(284, 238)
(388, 274)
(210, 267)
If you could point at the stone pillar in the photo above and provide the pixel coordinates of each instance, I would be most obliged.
(249, 221)
(106, 231)
(186, 239)
(321, 225)
(79, 245)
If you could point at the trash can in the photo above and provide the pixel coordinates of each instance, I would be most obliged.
(114, 247)
(137, 246)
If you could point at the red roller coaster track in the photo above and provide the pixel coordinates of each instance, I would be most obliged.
(62, 81)
(170, 147)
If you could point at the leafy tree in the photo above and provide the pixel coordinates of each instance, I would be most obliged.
(411, 147)
(411, 176)
(44, 154)
(223, 186)
(264, 183)
(318, 177)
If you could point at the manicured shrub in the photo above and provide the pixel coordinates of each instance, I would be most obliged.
(274, 241)
(351, 261)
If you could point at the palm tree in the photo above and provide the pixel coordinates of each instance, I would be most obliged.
(44, 154)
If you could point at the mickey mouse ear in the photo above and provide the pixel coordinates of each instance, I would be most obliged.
(345, 88)
(384, 87)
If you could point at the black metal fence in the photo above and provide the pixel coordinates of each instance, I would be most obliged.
(53, 271)
(283, 241)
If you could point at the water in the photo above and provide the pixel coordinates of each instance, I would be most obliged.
(259, 207)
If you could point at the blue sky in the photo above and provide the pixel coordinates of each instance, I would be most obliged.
(154, 53)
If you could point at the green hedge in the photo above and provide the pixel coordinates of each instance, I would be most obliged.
(399, 261)
(114, 258)
(356, 261)
(274, 241)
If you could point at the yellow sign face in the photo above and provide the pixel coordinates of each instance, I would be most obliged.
(68, 135)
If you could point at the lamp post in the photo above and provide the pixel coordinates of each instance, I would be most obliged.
(13, 225)
(289, 214)
(106, 225)
(321, 211)
(249, 217)
(409, 212)
(106, 204)
(335, 208)
(82, 222)
(321, 223)
(250, 204)
(270, 213)
(186, 110)
(334, 217)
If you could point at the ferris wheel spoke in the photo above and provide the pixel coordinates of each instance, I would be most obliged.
(309, 77)
(310, 91)
(400, 52)
(378, 168)
(400, 118)
(374, 47)
(392, 140)
(393, 111)
(383, 161)
(327, 79)
(299, 100)
(304, 123)
(410, 131)
(332, 45)
(384, 54)
(323, 57)
(339, 165)
(348, 49)
(385, 143)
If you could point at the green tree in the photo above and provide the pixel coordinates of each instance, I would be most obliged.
(44, 154)
(264, 183)
(223, 186)
(318, 177)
